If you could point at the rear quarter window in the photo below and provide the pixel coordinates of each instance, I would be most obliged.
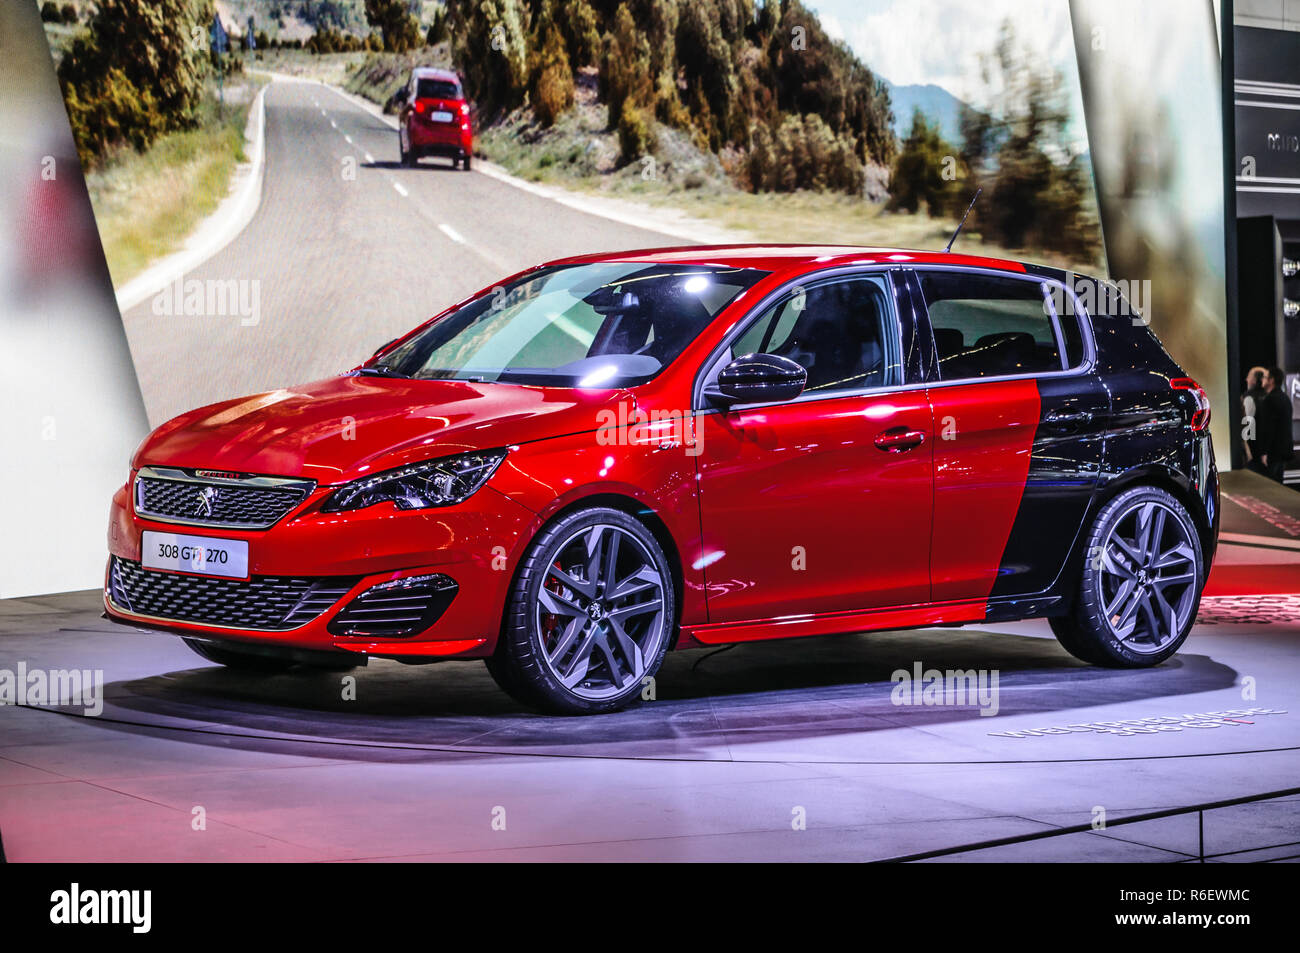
(993, 326)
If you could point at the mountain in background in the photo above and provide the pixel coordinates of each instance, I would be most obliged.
(936, 104)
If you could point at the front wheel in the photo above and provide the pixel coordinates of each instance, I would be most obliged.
(1141, 583)
(590, 615)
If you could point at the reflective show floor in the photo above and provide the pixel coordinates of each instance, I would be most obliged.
(781, 751)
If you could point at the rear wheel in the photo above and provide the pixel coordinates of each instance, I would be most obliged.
(590, 615)
(1141, 583)
(464, 163)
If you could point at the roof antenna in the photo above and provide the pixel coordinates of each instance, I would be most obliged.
(963, 220)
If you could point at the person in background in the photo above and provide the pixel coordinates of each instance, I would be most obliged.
(1274, 426)
(1251, 400)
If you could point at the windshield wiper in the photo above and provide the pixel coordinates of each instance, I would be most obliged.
(380, 370)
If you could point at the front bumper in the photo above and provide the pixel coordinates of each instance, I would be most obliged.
(476, 544)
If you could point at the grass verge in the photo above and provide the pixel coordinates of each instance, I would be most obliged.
(147, 203)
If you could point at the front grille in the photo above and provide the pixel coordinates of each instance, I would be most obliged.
(256, 503)
(397, 608)
(271, 603)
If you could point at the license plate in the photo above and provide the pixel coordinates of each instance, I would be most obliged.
(201, 555)
(441, 116)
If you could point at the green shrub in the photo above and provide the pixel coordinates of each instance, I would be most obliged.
(552, 88)
(134, 74)
(553, 94)
(925, 172)
(635, 135)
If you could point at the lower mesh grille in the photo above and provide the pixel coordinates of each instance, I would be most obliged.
(397, 608)
(270, 603)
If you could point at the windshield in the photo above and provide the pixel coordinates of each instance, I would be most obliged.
(613, 324)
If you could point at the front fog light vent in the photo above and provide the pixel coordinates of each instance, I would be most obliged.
(398, 608)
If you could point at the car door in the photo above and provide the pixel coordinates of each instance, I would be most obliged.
(1019, 418)
(823, 503)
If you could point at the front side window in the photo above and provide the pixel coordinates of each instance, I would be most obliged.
(611, 324)
(834, 329)
(990, 326)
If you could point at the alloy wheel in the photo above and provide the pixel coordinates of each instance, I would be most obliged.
(1148, 577)
(600, 612)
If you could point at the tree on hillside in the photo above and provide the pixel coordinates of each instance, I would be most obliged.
(551, 84)
(925, 172)
(392, 18)
(1035, 190)
(490, 47)
(136, 73)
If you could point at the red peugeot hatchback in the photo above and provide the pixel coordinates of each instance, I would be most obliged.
(434, 118)
(607, 457)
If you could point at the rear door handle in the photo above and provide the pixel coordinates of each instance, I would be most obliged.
(899, 440)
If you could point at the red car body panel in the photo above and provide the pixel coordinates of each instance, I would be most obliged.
(799, 506)
(985, 434)
(344, 427)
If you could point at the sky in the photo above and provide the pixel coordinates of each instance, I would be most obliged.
(939, 42)
(902, 39)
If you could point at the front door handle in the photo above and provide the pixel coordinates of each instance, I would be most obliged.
(899, 440)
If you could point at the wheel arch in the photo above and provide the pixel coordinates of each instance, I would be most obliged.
(1154, 475)
(638, 511)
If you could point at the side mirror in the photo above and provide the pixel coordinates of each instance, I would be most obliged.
(758, 379)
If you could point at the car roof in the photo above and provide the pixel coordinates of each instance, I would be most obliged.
(433, 72)
(786, 258)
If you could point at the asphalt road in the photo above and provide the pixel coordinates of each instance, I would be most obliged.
(347, 250)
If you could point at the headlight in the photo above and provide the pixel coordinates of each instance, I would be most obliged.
(439, 482)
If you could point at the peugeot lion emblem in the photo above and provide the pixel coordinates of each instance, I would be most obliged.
(203, 502)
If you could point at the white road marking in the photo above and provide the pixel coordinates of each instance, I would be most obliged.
(370, 158)
(348, 138)
(451, 233)
(333, 124)
(400, 191)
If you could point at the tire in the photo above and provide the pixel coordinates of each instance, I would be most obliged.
(1141, 583)
(257, 662)
(464, 163)
(407, 156)
(581, 635)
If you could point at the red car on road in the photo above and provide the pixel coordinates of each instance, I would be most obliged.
(606, 457)
(435, 118)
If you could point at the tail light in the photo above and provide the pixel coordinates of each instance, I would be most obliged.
(1201, 417)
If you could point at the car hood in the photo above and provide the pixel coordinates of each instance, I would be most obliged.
(343, 427)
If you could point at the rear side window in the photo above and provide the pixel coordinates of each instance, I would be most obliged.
(989, 326)
(436, 89)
